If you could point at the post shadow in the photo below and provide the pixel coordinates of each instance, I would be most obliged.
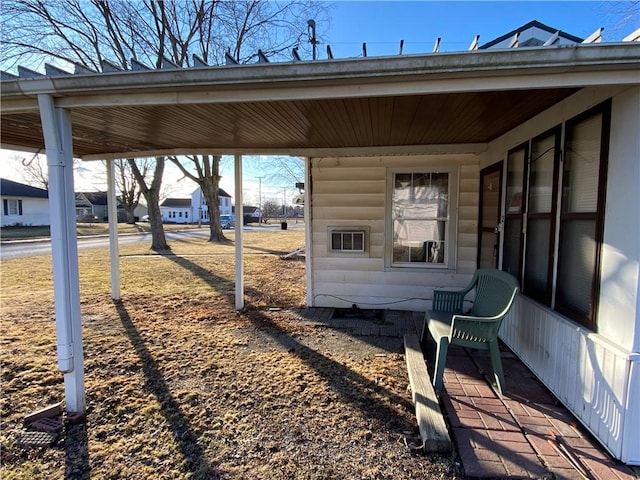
(340, 378)
(76, 446)
(184, 435)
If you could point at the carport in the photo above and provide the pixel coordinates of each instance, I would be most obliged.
(433, 103)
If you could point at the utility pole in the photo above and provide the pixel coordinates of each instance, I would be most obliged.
(260, 199)
(311, 28)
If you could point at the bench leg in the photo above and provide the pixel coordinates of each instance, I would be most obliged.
(496, 363)
(441, 360)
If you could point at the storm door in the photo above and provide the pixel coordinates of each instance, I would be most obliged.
(490, 216)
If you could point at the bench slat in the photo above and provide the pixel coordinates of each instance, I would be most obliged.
(433, 429)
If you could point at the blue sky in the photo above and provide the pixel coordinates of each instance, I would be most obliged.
(382, 24)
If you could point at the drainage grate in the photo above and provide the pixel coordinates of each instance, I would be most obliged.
(37, 439)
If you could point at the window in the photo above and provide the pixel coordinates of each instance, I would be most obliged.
(516, 193)
(12, 206)
(582, 215)
(531, 227)
(421, 206)
(540, 216)
(351, 240)
(347, 241)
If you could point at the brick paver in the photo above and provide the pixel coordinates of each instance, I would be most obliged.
(497, 436)
(507, 436)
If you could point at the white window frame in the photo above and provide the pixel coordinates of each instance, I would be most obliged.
(365, 231)
(13, 207)
(451, 236)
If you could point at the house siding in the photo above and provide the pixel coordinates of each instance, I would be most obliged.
(351, 192)
(595, 374)
(35, 212)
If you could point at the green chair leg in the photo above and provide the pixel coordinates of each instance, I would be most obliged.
(496, 363)
(441, 360)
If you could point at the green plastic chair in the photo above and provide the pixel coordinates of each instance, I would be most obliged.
(447, 322)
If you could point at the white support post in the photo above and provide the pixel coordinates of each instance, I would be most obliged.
(114, 253)
(56, 126)
(308, 221)
(238, 228)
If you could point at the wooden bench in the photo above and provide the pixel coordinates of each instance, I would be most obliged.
(447, 322)
(433, 430)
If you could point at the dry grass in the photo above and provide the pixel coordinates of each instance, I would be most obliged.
(180, 385)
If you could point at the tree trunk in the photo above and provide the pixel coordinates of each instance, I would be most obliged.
(158, 240)
(209, 186)
(152, 196)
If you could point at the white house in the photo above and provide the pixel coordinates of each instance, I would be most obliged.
(524, 155)
(177, 210)
(185, 210)
(23, 205)
(199, 204)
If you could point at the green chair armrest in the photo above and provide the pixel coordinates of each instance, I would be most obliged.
(467, 328)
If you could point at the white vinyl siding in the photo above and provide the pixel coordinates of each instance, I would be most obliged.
(350, 193)
(28, 212)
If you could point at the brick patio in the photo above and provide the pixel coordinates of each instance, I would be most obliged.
(497, 436)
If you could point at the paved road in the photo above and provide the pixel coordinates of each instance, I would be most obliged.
(43, 247)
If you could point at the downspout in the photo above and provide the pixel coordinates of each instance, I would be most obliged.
(56, 126)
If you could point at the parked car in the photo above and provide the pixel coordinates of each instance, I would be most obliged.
(227, 221)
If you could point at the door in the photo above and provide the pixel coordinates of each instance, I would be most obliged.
(490, 216)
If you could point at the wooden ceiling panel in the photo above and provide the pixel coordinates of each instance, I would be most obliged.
(474, 117)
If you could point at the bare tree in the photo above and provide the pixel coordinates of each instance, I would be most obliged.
(152, 32)
(207, 176)
(284, 170)
(34, 171)
(151, 194)
(128, 185)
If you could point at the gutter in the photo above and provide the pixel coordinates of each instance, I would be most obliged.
(479, 64)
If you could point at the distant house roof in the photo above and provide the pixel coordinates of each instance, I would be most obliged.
(9, 188)
(246, 210)
(532, 40)
(221, 192)
(177, 202)
(91, 198)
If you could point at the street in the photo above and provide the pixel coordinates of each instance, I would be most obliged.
(25, 248)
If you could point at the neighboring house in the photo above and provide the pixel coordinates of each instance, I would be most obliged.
(23, 205)
(177, 210)
(90, 204)
(420, 168)
(532, 34)
(251, 214)
(199, 204)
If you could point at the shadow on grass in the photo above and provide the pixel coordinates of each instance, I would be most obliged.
(220, 284)
(348, 384)
(345, 382)
(195, 459)
(77, 453)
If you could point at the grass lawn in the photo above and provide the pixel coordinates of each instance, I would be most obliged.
(182, 386)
